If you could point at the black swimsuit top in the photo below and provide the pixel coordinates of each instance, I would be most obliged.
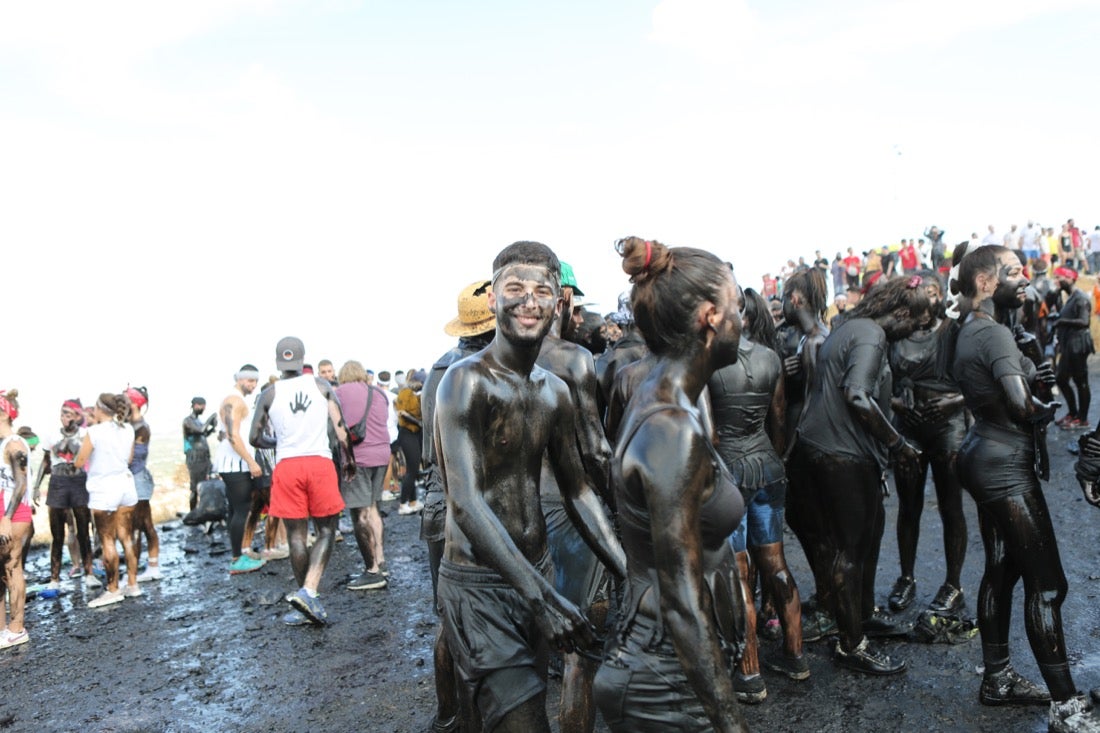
(719, 516)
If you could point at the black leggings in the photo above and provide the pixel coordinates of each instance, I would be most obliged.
(909, 479)
(239, 488)
(1019, 543)
(1075, 367)
(58, 521)
(409, 442)
(848, 500)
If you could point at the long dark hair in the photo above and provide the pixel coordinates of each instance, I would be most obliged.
(897, 292)
(757, 319)
(811, 283)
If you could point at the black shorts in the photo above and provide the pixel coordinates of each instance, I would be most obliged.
(499, 653)
(995, 462)
(67, 492)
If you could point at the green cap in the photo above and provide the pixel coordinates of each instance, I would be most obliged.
(569, 279)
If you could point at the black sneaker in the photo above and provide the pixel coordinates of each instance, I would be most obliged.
(368, 581)
(817, 626)
(903, 593)
(1075, 715)
(868, 659)
(1007, 687)
(794, 668)
(949, 599)
(444, 726)
(750, 690)
(769, 628)
(883, 625)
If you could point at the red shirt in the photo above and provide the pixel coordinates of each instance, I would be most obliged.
(909, 257)
(853, 261)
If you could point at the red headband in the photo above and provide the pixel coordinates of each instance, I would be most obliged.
(1066, 272)
(648, 254)
(7, 407)
(74, 406)
(137, 399)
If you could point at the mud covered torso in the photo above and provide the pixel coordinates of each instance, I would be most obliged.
(720, 515)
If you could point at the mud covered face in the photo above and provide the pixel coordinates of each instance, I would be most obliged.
(1011, 289)
(728, 330)
(69, 418)
(525, 299)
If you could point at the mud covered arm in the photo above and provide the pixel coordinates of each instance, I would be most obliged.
(581, 503)
(17, 458)
(336, 416)
(257, 435)
(868, 412)
(777, 417)
(594, 449)
(674, 468)
(1021, 404)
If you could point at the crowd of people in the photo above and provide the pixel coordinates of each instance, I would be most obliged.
(615, 489)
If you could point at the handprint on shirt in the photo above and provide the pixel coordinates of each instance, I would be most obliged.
(301, 403)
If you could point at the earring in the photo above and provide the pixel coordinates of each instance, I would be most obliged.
(713, 327)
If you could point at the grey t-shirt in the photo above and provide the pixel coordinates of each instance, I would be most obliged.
(853, 356)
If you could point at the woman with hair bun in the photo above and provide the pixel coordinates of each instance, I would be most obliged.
(996, 465)
(143, 483)
(15, 522)
(669, 666)
(845, 441)
(107, 451)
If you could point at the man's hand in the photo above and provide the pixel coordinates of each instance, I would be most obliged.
(792, 365)
(254, 469)
(1044, 374)
(349, 470)
(1092, 492)
(562, 623)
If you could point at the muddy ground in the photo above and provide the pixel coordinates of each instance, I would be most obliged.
(206, 651)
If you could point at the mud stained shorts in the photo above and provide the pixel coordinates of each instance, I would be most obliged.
(499, 653)
(67, 492)
(365, 488)
(764, 518)
(641, 687)
(305, 486)
(143, 482)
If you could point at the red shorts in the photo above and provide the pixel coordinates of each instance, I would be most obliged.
(305, 487)
(23, 514)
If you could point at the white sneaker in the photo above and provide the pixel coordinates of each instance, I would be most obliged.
(389, 495)
(53, 585)
(411, 508)
(107, 598)
(10, 638)
(279, 552)
(91, 581)
(1074, 715)
(152, 572)
(132, 591)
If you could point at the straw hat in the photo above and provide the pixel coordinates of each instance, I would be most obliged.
(474, 316)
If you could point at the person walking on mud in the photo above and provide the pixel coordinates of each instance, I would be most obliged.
(15, 523)
(236, 463)
(301, 408)
(497, 413)
(196, 450)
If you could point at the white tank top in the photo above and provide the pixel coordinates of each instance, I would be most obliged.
(111, 447)
(299, 417)
(7, 475)
(226, 459)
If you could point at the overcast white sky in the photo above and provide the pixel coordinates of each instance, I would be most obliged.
(181, 184)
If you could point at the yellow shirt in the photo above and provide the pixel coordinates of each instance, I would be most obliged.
(408, 401)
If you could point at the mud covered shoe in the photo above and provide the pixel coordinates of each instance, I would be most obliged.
(279, 552)
(368, 581)
(294, 617)
(11, 638)
(1007, 687)
(903, 593)
(310, 606)
(868, 659)
(91, 581)
(817, 626)
(152, 573)
(750, 690)
(769, 629)
(132, 591)
(245, 564)
(949, 599)
(794, 668)
(882, 625)
(450, 725)
(1075, 715)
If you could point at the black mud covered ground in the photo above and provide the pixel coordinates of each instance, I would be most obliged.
(206, 651)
